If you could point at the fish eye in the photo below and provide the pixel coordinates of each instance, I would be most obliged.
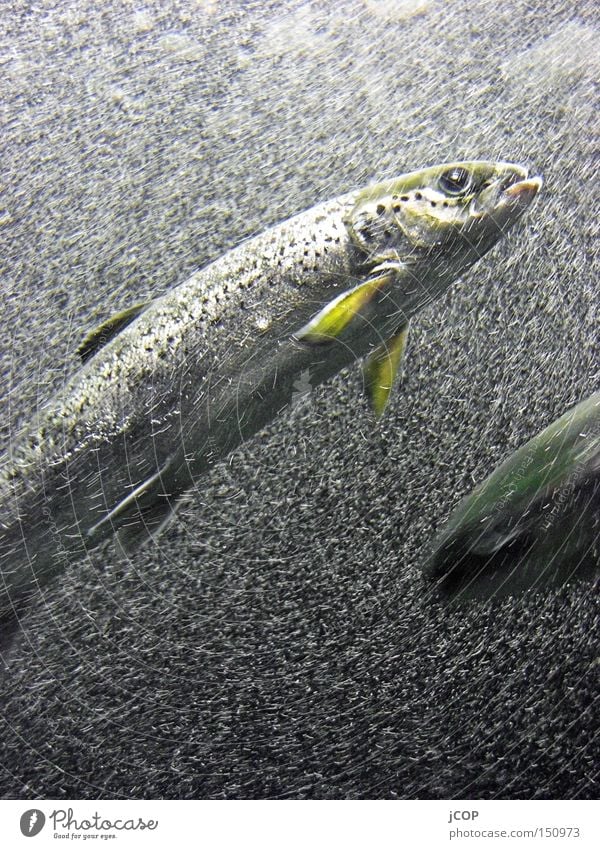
(455, 181)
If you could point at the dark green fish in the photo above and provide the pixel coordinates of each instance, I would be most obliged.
(535, 521)
(168, 388)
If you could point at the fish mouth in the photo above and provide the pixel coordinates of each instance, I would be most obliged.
(512, 192)
(523, 190)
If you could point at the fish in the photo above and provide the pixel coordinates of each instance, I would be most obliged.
(167, 388)
(534, 522)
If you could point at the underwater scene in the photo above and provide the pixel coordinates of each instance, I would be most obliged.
(300, 443)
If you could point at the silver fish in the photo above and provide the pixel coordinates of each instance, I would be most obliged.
(170, 387)
(535, 521)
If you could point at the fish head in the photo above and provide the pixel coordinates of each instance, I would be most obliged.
(534, 521)
(442, 219)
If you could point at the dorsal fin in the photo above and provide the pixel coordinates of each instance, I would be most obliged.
(103, 334)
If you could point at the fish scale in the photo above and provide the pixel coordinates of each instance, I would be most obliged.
(186, 325)
(169, 388)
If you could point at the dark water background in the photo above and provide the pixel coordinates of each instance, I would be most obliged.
(281, 641)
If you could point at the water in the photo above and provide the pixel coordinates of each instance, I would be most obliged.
(281, 637)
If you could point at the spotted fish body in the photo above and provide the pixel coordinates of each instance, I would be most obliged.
(168, 388)
(535, 521)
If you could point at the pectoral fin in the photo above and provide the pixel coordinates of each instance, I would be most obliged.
(333, 319)
(103, 334)
(380, 369)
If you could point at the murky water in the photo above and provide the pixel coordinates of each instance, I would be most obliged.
(281, 636)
